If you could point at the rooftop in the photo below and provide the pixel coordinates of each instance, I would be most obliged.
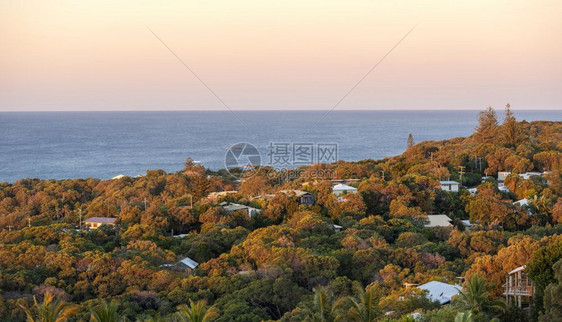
(448, 182)
(298, 193)
(438, 221)
(189, 262)
(441, 292)
(101, 220)
(342, 187)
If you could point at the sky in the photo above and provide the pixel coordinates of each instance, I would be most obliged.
(290, 54)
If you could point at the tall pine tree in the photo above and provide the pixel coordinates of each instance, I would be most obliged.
(487, 128)
(510, 128)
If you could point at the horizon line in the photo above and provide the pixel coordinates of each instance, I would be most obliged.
(275, 110)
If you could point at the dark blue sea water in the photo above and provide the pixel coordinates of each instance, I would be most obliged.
(61, 145)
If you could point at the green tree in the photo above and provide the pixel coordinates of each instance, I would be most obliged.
(476, 297)
(540, 270)
(363, 306)
(553, 296)
(323, 308)
(464, 317)
(196, 312)
(106, 312)
(50, 310)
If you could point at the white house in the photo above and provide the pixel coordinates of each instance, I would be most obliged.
(438, 221)
(441, 292)
(503, 188)
(187, 263)
(502, 176)
(527, 175)
(473, 191)
(466, 223)
(450, 186)
(521, 203)
(337, 228)
(235, 207)
(341, 188)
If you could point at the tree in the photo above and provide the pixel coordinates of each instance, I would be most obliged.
(487, 126)
(553, 296)
(475, 296)
(540, 270)
(196, 312)
(106, 312)
(464, 317)
(410, 140)
(322, 309)
(363, 307)
(51, 310)
(510, 128)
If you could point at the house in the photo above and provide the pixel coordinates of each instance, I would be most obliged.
(502, 176)
(521, 203)
(337, 228)
(452, 186)
(303, 197)
(519, 288)
(441, 292)
(473, 191)
(438, 221)
(341, 189)
(187, 263)
(527, 175)
(117, 177)
(345, 181)
(485, 178)
(466, 223)
(96, 222)
(231, 207)
(214, 196)
(503, 188)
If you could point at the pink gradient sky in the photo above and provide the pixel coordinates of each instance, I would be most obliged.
(99, 55)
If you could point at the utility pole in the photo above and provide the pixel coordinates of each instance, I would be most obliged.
(145, 204)
(461, 171)
(28, 222)
(10, 228)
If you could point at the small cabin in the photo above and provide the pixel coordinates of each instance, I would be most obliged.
(96, 222)
(231, 207)
(519, 288)
(303, 197)
(341, 189)
(451, 186)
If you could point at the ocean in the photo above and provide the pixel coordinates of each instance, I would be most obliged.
(65, 145)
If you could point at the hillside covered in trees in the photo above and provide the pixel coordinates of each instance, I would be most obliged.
(352, 257)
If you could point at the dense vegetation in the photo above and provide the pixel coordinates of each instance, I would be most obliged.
(288, 263)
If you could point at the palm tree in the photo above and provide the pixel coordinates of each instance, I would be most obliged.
(323, 308)
(196, 312)
(363, 307)
(106, 313)
(475, 296)
(50, 310)
(464, 317)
